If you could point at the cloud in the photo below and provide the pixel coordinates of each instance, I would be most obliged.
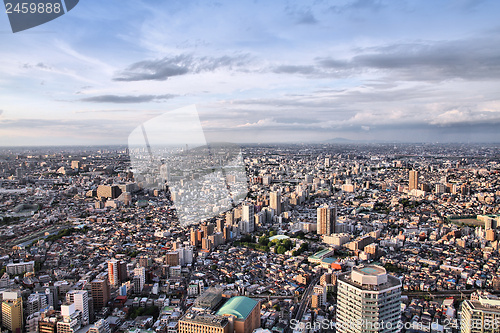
(463, 116)
(162, 69)
(293, 69)
(301, 16)
(1, 111)
(469, 59)
(39, 65)
(127, 98)
(356, 5)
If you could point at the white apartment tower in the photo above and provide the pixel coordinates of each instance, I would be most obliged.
(368, 300)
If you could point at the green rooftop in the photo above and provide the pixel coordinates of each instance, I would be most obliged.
(239, 306)
(320, 254)
(278, 237)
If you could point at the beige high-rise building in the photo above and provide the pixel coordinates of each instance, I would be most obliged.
(480, 315)
(275, 202)
(413, 184)
(326, 220)
(12, 311)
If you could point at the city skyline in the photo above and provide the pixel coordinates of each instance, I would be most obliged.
(361, 70)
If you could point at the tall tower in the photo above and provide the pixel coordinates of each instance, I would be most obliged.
(326, 220)
(247, 215)
(113, 272)
(413, 180)
(275, 202)
(368, 300)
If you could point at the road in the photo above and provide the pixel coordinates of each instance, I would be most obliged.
(306, 297)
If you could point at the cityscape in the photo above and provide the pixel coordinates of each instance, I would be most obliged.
(329, 237)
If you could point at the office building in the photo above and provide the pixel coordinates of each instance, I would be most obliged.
(326, 220)
(100, 293)
(368, 300)
(12, 311)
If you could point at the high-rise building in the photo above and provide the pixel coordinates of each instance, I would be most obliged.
(229, 218)
(220, 225)
(12, 311)
(368, 300)
(81, 300)
(413, 184)
(194, 238)
(326, 220)
(140, 277)
(207, 229)
(275, 202)
(247, 215)
(100, 293)
(117, 272)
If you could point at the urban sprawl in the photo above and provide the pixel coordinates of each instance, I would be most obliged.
(272, 238)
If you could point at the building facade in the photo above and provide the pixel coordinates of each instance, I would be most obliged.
(368, 300)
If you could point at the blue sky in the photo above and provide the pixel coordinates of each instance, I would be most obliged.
(258, 71)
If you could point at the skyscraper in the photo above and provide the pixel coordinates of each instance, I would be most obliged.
(247, 217)
(413, 185)
(326, 220)
(368, 300)
(275, 202)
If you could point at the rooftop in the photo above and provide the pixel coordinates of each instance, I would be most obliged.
(239, 306)
(371, 277)
(205, 318)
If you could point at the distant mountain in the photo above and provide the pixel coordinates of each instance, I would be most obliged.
(340, 140)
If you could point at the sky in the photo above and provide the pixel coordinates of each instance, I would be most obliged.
(257, 71)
